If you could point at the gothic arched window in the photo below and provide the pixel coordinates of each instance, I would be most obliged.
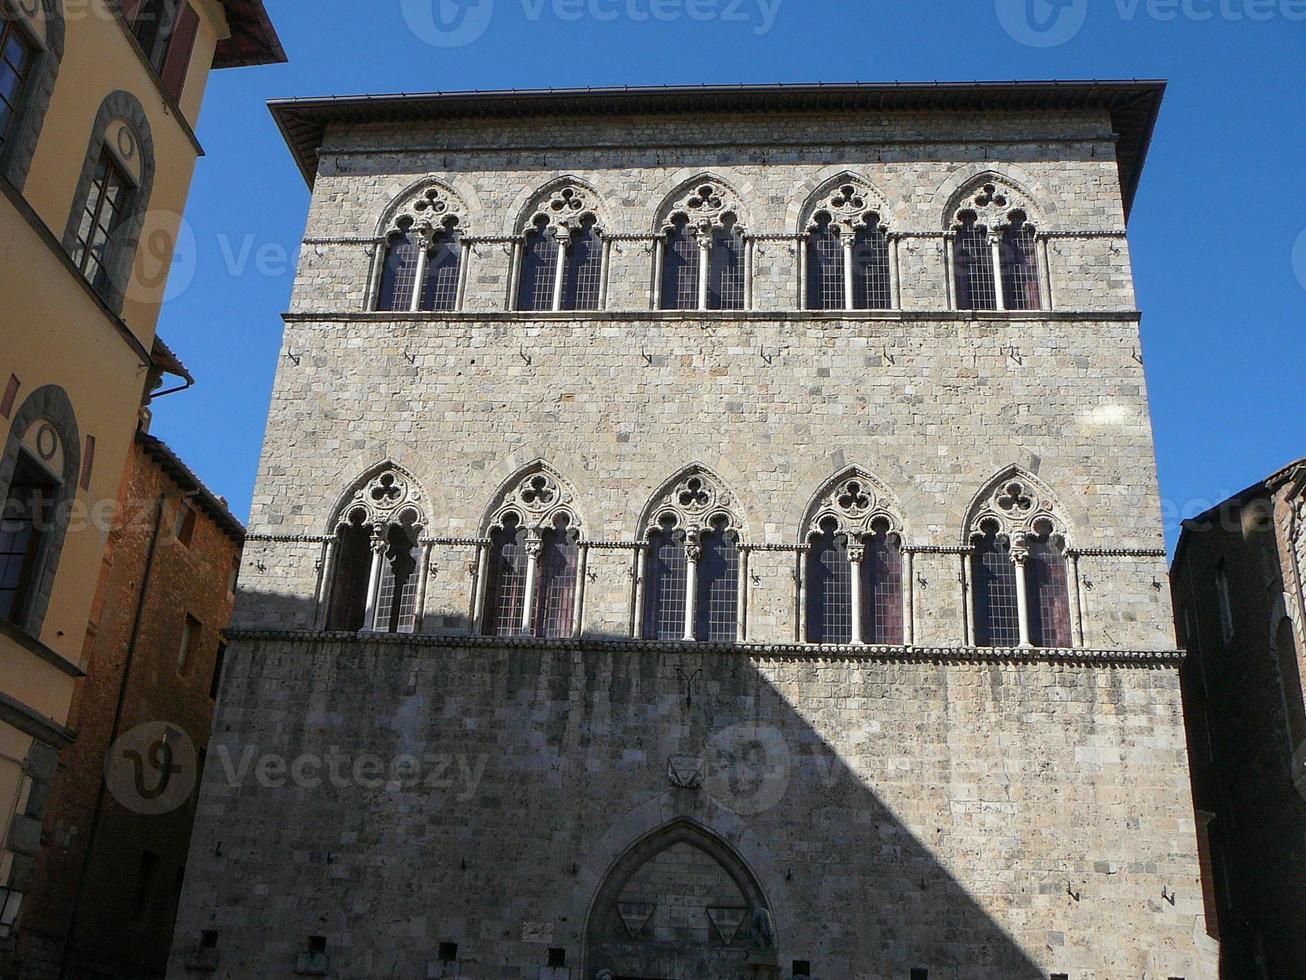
(533, 570)
(872, 278)
(702, 252)
(854, 570)
(849, 265)
(375, 561)
(561, 265)
(997, 614)
(973, 258)
(1021, 580)
(1020, 278)
(421, 268)
(692, 563)
(507, 581)
(996, 250)
(825, 266)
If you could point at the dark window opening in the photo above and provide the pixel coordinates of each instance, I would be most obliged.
(1048, 588)
(443, 267)
(26, 526)
(680, 267)
(184, 528)
(726, 273)
(872, 283)
(665, 580)
(825, 266)
(396, 596)
(353, 567)
(829, 587)
(317, 944)
(106, 210)
(557, 957)
(208, 939)
(973, 257)
(17, 58)
(448, 952)
(539, 268)
(716, 606)
(997, 613)
(1020, 279)
(166, 31)
(556, 593)
(882, 610)
(399, 272)
(919, 974)
(506, 592)
(584, 273)
(802, 968)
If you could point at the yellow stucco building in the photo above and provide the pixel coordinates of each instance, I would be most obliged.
(98, 102)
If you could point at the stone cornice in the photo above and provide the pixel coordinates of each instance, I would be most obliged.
(717, 316)
(762, 651)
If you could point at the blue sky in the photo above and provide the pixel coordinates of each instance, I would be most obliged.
(1218, 231)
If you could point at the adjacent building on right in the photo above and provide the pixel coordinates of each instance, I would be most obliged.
(1238, 594)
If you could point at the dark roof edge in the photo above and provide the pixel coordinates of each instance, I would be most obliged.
(185, 478)
(253, 40)
(1259, 489)
(1134, 105)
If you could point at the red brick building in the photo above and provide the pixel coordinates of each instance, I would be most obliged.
(114, 851)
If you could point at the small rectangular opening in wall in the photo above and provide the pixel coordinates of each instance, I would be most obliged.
(557, 957)
(1060, 976)
(920, 974)
(448, 952)
(802, 968)
(317, 944)
(209, 939)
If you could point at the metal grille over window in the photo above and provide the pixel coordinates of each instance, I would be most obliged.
(680, 268)
(829, 587)
(716, 605)
(584, 275)
(976, 286)
(559, 562)
(1020, 279)
(16, 58)
(106, 208)
(825, 283)
(538, 270)
(1047, 579)
(882, 602)
(507, 586)
(997, 610)
(872, 282)
(726, 268)
(443, 266)
(664, 604)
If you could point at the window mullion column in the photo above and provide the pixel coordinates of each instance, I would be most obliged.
(692, 552)
(802, 272)
(534, 548)
(641, 566)
(908, 597)
(895, 273)
(514, 280)
(559, 269)
(464, 261)
(1019, 558)
(741, 601)
(846, 240)
(704, 267)
(419, 274)
(1045, 272)
(950, 267)
(423, 578)
(324, 585)
(995, 243)
(856, 555)
(655, 298)
(1076, 600)
(379, 548)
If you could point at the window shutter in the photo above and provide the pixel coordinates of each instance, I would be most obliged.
(180, 47)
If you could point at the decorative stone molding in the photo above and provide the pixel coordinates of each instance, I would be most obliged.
(426, 210)
(388, 495)
(564, 205)
(994, 202)
(857, 502)
(851, 205)
(538, 497)
(1018, 506)
(705, 206)
(696, 499)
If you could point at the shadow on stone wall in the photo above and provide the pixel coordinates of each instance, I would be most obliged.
(392, 794)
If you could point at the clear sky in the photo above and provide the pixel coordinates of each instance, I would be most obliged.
(1218, 232)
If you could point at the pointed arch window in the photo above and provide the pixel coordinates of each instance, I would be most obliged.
(562, 255)
(535, 562)
(825, 266)
(1022, 574)
(829, 586)
(702, 253)
(376, 559)
(871, 268)
(996, 251)
(716, 606)
(667, 567)
(1020, 273)
(973, 258)
(422, 269)
(882, 588)
(849, 262)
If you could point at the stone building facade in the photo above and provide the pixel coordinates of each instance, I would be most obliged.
(707, 533)
(1240, 604)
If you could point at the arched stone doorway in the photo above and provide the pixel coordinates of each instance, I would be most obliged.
(680, 905)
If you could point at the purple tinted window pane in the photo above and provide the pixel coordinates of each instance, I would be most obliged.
(1020, 279)
(538, 269)
(997, 614)
(973, 255)
(506, 595)
(581, 287)
(1047, 583)
(829, 590)
(872, 287)
(726, 271)
(399, 275)
(664, 590)
(680, 270)
(824, 268)
(557, 589)
(716, 606)
(882, 591)
(440, 288)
